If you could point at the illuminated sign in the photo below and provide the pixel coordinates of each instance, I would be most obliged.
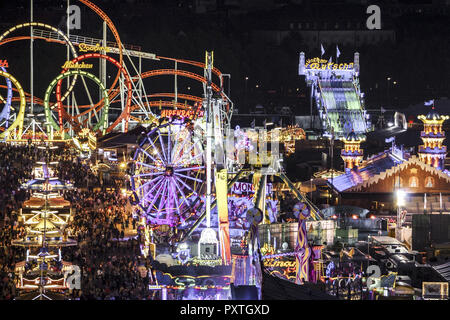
(207, 262)
(86, 47)
(243, 187)
(182, 113)
(77, 65)
(322, 64)
(4, 63)
(271, 263)
(284, 268)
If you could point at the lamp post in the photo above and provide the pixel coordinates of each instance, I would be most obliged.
(245, 99)
(388, 80)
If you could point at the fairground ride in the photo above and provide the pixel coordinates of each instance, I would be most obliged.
(45, 217)
(181, 173)
(336, 93)
(181, 176)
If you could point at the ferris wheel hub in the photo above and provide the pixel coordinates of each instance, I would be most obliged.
(169, 171)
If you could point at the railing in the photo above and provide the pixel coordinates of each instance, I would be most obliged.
(130, 50)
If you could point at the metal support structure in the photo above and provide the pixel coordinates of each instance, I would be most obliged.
(315, 212)
(213, 204)
(222, 202)
(176, 84)
(31, 60)
(209, 137)
(260, 183)
(102, 74)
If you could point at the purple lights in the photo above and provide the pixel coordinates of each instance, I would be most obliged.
(167, 174)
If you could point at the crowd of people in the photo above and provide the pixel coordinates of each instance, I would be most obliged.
(16, 163)
(107, 251)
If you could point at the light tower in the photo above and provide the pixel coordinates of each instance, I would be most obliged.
(352, 154)
(432, 151)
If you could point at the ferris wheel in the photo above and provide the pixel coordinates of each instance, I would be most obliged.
(167, 173)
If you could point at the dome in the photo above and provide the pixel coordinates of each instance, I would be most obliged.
(208, 235)
(433, 115)
(352, 136)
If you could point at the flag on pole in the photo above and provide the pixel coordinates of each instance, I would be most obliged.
(338, 53)
(322, 50)
(429, 102)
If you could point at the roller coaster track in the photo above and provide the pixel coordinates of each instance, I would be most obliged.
(187, 74)
(130, 50)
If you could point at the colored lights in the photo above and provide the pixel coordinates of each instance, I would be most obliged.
(401, 196)
(18, 123)
(100, 125)
(126, 113)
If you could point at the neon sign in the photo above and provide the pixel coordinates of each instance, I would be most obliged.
(281, 268)
(240, 187)
(182, 113)
(271, 263)
(322, 64)
(4, 63)
(86, 47)
(73, 65)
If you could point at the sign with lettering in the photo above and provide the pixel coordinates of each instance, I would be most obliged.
(87, 47)
(283, 267)
(4, 63)
(245, 187)
(182, 113)
(76, 65)
(323, 64)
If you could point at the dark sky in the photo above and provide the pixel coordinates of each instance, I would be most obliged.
(418, 60)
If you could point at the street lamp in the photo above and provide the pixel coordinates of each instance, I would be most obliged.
(388, 79)
(245, 98)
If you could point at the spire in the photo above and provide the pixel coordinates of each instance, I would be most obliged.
(433, 152)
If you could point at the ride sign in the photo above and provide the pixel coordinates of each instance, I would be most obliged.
(322, 64)
(182, 113)
(86, 47)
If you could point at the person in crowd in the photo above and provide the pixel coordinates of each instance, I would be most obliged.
(106, 253)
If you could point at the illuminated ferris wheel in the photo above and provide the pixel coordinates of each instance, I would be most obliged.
(167, 174)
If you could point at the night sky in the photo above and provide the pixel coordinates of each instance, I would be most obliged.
(417, 60)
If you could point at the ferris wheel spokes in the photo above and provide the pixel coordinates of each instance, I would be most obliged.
(167, 174)
(153, 188)
(160, 189)
(148, 154)
(187, 177)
